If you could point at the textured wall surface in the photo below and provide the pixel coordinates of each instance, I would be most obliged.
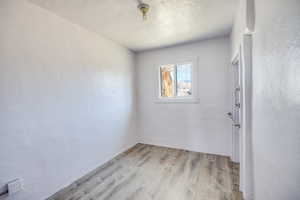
(66, 99)
(276, 98)
(238, 28)
(202, 127)
(169, 22)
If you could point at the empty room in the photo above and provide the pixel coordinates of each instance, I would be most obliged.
(149, 99)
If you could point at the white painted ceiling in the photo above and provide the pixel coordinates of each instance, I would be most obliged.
(169, 22)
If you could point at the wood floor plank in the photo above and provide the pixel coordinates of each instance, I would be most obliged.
(147, 172)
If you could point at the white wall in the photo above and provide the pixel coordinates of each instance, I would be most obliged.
(244, 22)
(238, 28)
(201, 127)
(276, 100)
(67, 99)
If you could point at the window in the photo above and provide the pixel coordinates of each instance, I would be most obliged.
(176, 81)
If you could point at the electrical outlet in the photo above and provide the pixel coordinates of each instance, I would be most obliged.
(15, 186)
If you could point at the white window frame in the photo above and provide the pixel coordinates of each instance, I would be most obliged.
(188, 99)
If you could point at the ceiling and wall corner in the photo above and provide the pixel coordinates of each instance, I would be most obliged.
(169, 22)
(244, 23)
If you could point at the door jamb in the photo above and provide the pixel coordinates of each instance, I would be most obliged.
(244, 57)
(234, 155)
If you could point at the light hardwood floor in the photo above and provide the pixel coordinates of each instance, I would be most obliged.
(147, 172)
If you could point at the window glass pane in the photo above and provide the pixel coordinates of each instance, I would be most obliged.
(167, 77)
(184, 80)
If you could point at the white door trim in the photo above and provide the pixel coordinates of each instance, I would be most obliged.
(247, 163)
(235, 71)
(243, 58)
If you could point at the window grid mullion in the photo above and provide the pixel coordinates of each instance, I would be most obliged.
(176, 89)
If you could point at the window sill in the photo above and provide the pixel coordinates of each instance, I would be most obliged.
(177, 100)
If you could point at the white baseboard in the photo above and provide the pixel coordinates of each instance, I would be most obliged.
(163, 143)
(124, 149)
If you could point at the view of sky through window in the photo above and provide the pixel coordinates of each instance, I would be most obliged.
(184, 80)
(176, 80)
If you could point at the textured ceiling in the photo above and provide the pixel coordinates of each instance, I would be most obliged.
(169, 22)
